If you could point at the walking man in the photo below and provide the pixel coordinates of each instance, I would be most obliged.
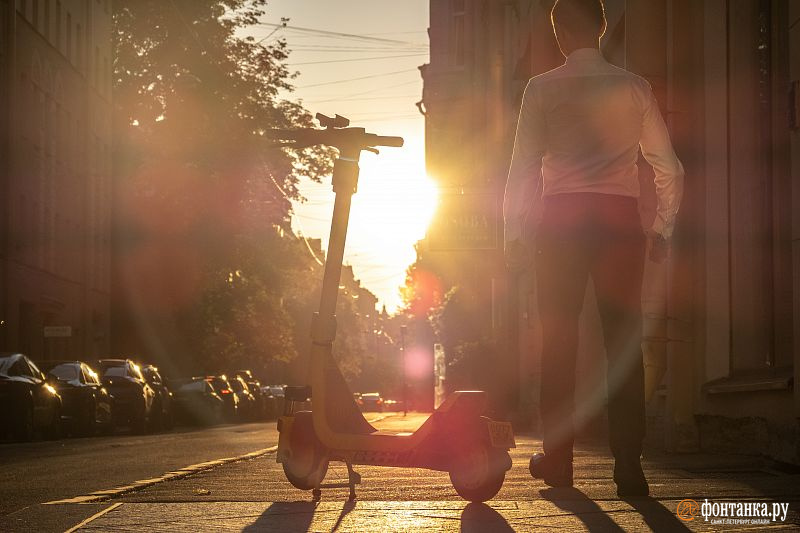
(579, 132)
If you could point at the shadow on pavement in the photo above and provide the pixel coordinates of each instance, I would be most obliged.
(586, 510)
(284, 516)
(658, 517)
(348, 506)
(479, 517)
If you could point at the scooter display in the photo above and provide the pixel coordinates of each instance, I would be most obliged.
(456, 438)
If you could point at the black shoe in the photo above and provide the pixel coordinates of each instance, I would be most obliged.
(630, 479)
(554, 473)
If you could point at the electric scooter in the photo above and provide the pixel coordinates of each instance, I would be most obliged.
(456, 438)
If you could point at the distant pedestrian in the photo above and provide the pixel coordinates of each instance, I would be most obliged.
(579, 132)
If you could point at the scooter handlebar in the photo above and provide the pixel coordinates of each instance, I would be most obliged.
(335, 137)
(382, 140)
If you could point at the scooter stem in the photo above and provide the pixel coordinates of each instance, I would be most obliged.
(330, 393)
(345, 184)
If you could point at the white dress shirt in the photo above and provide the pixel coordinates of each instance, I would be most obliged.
(579, 130)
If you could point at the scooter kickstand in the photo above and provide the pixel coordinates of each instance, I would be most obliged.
(353, 479)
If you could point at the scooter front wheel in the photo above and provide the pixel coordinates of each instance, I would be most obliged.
(480, 473)
(305, 467)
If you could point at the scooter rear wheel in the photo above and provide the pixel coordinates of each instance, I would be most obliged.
(306, 466)
(480, 472)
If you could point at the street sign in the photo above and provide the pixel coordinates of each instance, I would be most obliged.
(465, 221)
(58, 331)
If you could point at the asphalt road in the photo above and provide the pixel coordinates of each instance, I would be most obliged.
(252, 494)
(38, 472)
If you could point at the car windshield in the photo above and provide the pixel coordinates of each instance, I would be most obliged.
(5, 363)
(194, 386)
(114, 371)
(370, 396)
(219, 384)
(65, 372)
(236, 385)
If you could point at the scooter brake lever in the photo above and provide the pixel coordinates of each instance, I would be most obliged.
(371, 149)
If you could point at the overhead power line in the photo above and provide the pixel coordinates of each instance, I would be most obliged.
(336, 34)
(389, 119)
(352, 50)
(351, 95)
(397, 97)
(353, 59)
(357, 79)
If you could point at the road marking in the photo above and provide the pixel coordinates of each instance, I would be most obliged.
(93, 517)
(102, 495)
(107, 494)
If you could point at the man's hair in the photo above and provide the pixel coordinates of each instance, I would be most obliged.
(580, 16)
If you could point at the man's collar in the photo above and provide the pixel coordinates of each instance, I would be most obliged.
(584, 54)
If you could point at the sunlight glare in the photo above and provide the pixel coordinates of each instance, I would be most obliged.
(394, 205)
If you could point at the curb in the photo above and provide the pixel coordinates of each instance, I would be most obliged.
(107, 494)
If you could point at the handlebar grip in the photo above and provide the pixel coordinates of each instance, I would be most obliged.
(381, 140)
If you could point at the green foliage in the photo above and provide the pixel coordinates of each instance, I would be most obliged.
(211, 276)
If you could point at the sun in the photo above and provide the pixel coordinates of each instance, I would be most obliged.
(391, 211)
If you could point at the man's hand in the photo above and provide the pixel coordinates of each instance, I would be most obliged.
(517, 255)
(658, 247)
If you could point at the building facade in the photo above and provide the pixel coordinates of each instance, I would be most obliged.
(722, 317)
(56, 178)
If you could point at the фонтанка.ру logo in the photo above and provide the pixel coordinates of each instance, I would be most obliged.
(732, 512)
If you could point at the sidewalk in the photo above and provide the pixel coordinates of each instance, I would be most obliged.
(253, 495)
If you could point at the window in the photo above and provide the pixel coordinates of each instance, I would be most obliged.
(133, 371)
(115, 371)
(196, 386)
(19, 368)
(66, 372)
(35, 372)
(90, 376)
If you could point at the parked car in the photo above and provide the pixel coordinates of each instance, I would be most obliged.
(162, 403)
(223, 387)
(28, 403)
(248, 405)
(196, 402)
(264, 402)
(371, 401)
(87, 406)
(133, 396)
(392, 405)
(277, 396)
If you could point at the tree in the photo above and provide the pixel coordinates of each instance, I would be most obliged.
(204, 253)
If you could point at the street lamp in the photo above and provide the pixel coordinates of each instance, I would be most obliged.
(403, 330)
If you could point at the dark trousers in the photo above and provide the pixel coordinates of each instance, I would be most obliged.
(597, 235)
